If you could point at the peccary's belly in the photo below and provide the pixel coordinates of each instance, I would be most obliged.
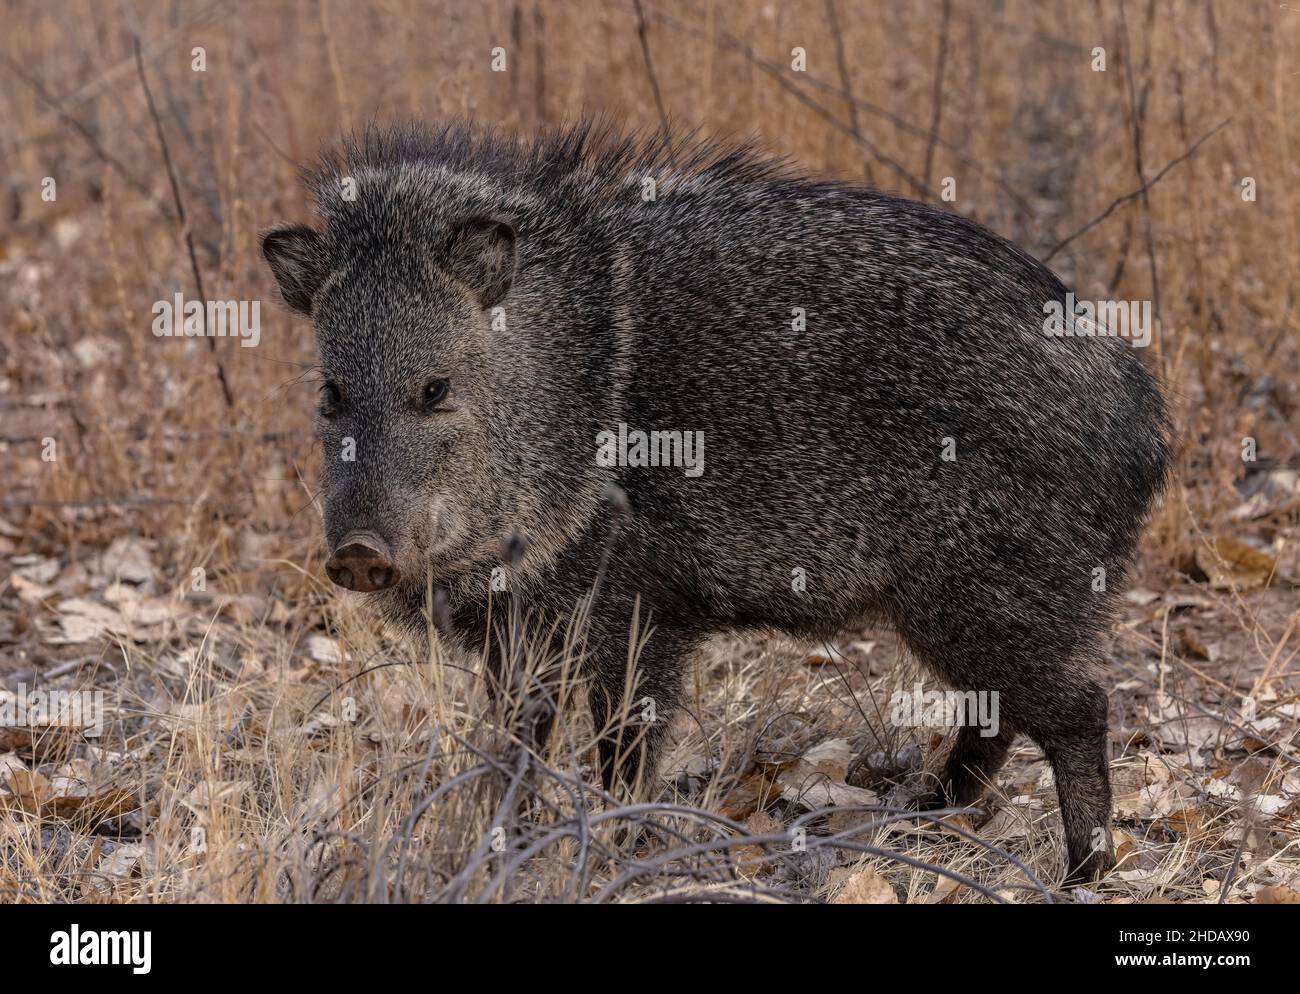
(758, 549)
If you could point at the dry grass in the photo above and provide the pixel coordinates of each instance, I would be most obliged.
(266, 743)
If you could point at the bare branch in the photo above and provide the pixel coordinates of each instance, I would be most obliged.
(101, 153)
(180, 212)
(1120, 201)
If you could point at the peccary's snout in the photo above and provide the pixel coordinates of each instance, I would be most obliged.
(362, 563)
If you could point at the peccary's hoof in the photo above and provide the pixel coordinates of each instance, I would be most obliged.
(930, 799)
(975, 813)
(631, 840)
(884, 767)
(1091, 870)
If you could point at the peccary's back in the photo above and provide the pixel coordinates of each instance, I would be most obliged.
(834, 346)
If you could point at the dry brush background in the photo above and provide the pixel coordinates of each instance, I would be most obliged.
(265, 742)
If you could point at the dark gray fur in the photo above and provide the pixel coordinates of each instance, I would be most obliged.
(822, 446)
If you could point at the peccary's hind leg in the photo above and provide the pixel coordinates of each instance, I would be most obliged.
(1043, 691)
(974, 761)
(1076, 746)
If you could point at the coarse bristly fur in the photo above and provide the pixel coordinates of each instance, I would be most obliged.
(889, 433)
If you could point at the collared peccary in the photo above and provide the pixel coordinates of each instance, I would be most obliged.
(516, 336)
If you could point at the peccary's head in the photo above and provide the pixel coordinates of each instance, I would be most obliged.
(401, 305)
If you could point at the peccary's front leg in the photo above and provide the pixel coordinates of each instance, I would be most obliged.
(525, 689)
(631, 728)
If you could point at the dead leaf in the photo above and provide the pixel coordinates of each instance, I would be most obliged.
(1272, 492)
(137, 609)
(69, 794)
(817, 779)
(29, 591)
(9, 763)
(12, 737)
(1277, 895)
(1232, 564)
(125, 861)
(816, 791)
(845, 822)
(944, 890)
(866, 887)
(28, 790)
(85, 621)
(1184, 821)
(127, 560)
(753, 859)
(92, 804)
(754, 792)
(37, 569)
(1185, 732)
(1147, 879)
(830, 757)
(1181, 601)
(1191, 645)
(1141, 597)
(1012, 822)
(208, 795)
(1125, 846)
(89, 621)
(324, 649)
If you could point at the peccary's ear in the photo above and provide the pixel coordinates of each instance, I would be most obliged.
(296, 255)
(481, 254)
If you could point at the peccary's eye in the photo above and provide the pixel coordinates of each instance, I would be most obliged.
(434, 394)
(330, 400)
